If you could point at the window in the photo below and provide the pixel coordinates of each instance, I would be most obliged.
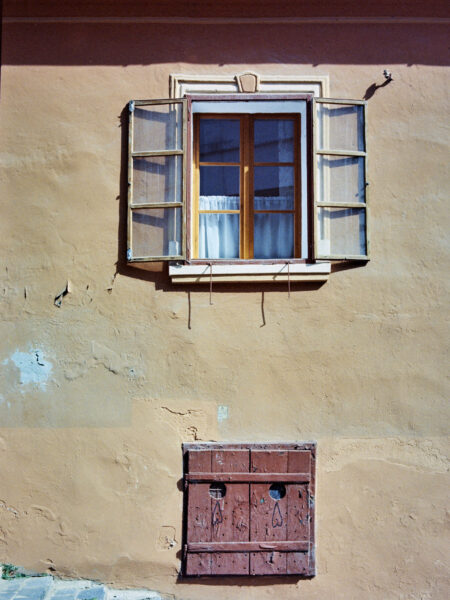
(250, 509)
(247, 179)
(246, 193)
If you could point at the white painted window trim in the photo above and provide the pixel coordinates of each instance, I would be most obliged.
(318, 86)
(250, 272)
(268, 106)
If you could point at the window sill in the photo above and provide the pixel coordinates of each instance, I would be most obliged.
(274, 273)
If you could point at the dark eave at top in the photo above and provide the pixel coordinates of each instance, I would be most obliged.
(242, 9)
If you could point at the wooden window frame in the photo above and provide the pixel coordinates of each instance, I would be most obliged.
(191, 183)
(247, 167)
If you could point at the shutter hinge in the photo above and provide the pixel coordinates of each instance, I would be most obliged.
(131, 105)
(129, 254)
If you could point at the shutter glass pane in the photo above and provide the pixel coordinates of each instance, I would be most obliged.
(158, 127)
(340, 127)
(342, 231)
(156, 231)
(341, 178)
(157, 179)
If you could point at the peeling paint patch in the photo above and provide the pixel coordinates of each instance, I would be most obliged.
(33, 368)
(10, 509)
(222, 413)
(59, 298)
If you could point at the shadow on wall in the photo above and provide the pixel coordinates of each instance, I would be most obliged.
(123, 44)
(157, 272)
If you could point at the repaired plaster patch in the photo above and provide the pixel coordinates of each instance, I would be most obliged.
(166, 538)
(190, 424)
(222, 413)
(33, 368)
(107, 357)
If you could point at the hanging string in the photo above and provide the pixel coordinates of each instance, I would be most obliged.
(262, 310)
(189, 309)
(210, 284)
(289, 281)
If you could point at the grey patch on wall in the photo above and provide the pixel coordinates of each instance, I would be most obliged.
(89, 389)
(33, 368)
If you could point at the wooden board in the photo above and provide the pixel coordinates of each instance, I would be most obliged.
(263, 523)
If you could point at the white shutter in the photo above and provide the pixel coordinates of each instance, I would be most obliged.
(157, 180)
(340, 190)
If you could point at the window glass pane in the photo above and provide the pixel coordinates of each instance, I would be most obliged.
(156, 232)
(219, 188)
(274, 235)
(157, 179)
(341, 179)
(219, 140)
(218, 236)
(342, 231)
(274, 188)
(340, 127)
(158, 127)
(274, 140)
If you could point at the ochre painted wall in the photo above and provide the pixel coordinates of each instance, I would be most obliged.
(96, 396)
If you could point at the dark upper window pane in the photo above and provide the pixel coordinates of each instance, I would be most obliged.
(219, 140)
(219, 181)
(274, 140)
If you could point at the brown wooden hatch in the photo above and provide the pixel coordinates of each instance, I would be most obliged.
(250, 509)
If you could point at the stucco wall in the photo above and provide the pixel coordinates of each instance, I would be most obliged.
(96, 396)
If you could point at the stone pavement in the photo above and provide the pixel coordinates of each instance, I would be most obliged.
(49, 588)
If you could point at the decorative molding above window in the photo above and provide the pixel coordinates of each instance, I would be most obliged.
(317, 85)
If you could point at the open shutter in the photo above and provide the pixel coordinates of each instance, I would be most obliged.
(156, 180)
(340, 191)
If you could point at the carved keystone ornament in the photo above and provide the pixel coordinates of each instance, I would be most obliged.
(248, 82)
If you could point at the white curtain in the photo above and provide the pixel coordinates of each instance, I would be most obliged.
(219, 233)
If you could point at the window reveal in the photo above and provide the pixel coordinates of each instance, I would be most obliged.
(246, 186)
